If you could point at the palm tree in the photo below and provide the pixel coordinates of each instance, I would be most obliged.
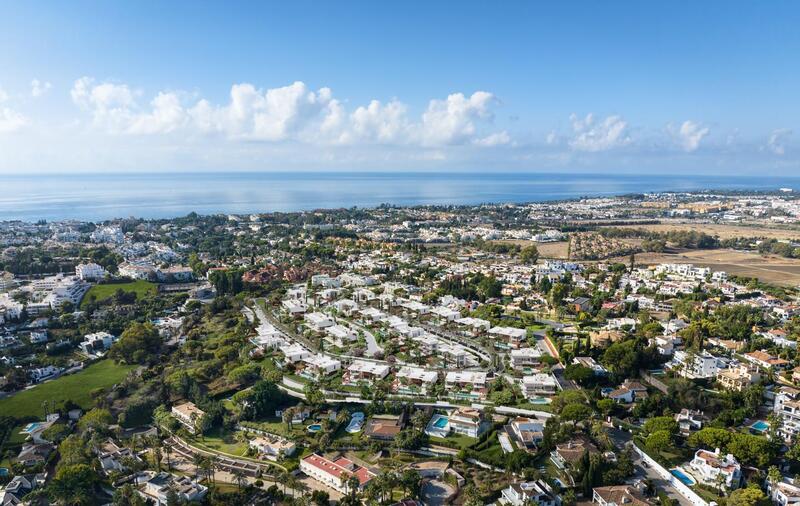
(239, 477)
(168, 452)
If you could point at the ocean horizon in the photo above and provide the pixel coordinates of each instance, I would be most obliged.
(98, 197)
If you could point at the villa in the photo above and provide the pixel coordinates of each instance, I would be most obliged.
(739, 377)
(97, 343)
(570, 453)
(273, 447)
(590, 363)
(361, 370)
(468, 421)
(339, 335)
(527, 432)
(785, 492)
(530, 492)
(514, 336)
(319, 366)
(156, 487)
(469, 385)
(318, 321)
(619, 495)
(712, 468)
(766, 361)
(335, 473)
(187, 414)
(787, 407)
(525, 357)
(385, 427)
(411, 380)
(539, 384)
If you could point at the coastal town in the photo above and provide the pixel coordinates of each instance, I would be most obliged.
(637, 349)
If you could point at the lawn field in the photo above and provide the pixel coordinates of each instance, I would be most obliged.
(102, 292)
(74, 386)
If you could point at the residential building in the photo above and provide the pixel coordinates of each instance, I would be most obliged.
(787, 407)
(319, 366)
(97, 342)
(702, 365)
(468, 385)
(738, 377)
(619, 495)
(273, 447)
(385, 427)
(361, 370)
(89, 272)
(716, 469)
(335, 473)
(527, 432)
(766, 361)
(525, 358)
(410, 380)
(568, 454)
(539, 384)
(468, 422)
(318, 321)
(529, 492)
(785, 492)
(188, 414)
(156, 487)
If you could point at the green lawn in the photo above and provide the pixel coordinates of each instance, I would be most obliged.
(226, 443)
(76, 386)
(101, 292)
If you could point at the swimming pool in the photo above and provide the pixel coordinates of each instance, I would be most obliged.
(441, 422)
(760, 426)
(31, 427)
(685, 479)
(315, 427)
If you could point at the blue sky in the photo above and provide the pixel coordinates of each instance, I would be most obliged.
(609, 86)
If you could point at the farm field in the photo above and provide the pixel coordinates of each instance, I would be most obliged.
(100, 292)
(721, 230)
(767, 268)
(76, 387)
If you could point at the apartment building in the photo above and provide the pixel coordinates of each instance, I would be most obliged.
(336, 473)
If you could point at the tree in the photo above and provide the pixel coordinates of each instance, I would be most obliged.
(659, 441)
(137, 344)
(576, 412)
(661, 423)
(529, 254)
(97, 419)
(74, 485)
(750, 496)
(126, 495)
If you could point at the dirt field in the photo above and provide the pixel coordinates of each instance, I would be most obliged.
(769, 269)
(546, 249)
(723, 231)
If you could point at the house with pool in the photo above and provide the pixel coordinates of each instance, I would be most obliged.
(715, 469)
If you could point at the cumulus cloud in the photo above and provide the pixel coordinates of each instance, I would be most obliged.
(591, 135)
(452, 121)
(39, 88)
(495, 139)
(776, 141)
(11, 121)
(689, 135)
(293, 112)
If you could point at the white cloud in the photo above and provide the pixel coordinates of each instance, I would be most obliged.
(610, 133)
(452, 121)
(495, 139)
(11, 121)
(3, 95)
(551, 138)
(689, 135)
(776, 141)
(292, 112)
(167, 115)
(39, 88)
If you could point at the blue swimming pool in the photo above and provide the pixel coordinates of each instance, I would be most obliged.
(31, 427)
(441, 422)
(314, 427)
(685, 479)
(760, 426)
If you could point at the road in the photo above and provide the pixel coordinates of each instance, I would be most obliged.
(372, 343)
(623, 440)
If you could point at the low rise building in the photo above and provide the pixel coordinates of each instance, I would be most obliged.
(335, 473)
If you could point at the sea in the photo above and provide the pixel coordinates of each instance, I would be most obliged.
(98, 197)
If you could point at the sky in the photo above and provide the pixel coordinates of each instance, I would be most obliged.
(627, 86)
